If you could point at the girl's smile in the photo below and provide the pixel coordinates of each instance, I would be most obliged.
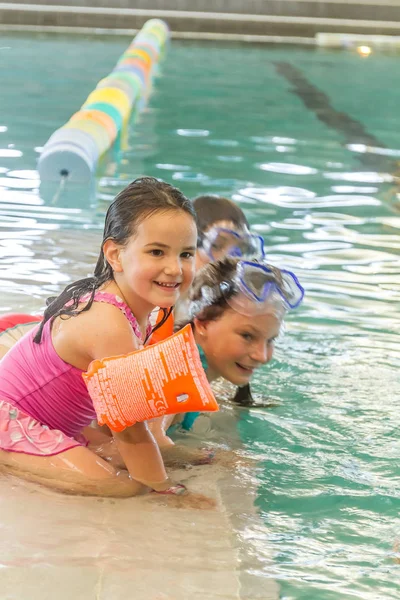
(236, 345)
(157, 264)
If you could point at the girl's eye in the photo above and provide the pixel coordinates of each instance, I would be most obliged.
(187, 254)
(156, 252)
(247, 336)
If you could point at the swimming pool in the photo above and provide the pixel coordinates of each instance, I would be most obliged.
(306, 142)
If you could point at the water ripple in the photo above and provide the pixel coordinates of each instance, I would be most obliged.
(287, 168)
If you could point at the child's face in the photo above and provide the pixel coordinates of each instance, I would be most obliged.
(157, 264)
(236, 345)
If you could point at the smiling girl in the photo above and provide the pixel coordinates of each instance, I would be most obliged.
(146, 260)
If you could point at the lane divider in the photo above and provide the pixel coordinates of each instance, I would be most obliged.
(73, 151)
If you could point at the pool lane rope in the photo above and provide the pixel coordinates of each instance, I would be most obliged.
(73, 151)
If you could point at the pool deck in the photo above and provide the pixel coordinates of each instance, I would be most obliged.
(251, 20)
(71, 547)
(56, 546)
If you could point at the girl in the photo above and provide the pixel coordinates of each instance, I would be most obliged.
(236, 309)
(223, 231)
(147, 259)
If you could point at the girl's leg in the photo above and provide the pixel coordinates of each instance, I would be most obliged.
(103, 444)
(75, 471)
(79, 471)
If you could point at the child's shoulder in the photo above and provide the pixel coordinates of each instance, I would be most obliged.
(101, 331)
(109, 318)
(107, 310)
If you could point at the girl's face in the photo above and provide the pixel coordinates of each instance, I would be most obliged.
(236, 345)
(157, 264)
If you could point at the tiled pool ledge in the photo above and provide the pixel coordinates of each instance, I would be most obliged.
(199, 24)
(102, 548)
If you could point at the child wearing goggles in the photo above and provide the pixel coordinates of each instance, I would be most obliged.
(223, 230)
(236, 310)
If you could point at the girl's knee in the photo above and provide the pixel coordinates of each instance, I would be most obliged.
(75, 471)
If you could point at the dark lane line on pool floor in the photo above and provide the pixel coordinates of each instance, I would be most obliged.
(352, 130)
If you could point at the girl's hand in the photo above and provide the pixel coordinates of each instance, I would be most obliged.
(170, 488)
(182, 456)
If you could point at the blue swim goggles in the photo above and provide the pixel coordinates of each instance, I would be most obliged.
(219, 242)
(258, 288)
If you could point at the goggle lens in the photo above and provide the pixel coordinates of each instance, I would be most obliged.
(219, 243)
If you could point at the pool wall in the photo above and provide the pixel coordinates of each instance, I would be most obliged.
(252, 20)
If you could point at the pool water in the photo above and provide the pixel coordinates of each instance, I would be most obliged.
(306, 141)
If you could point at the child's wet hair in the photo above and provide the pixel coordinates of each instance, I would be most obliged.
(138, 201)
(223, 272)
(213, 209)
(211, 276)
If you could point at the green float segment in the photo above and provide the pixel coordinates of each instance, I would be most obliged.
(75, 149)
(108, 109)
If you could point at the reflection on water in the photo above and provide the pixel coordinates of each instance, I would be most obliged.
(329, 452)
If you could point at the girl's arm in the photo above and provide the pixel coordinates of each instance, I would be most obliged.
(103, 332)
(142, 457)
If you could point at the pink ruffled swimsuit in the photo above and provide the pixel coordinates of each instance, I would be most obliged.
(44, 402)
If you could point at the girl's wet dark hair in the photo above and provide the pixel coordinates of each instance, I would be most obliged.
(211, 276)
(212, 209)
(222, 272)
(139, 200)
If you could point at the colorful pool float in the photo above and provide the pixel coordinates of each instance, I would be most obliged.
(74, 150)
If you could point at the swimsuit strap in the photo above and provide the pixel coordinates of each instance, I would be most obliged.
(203, 358)
(119, 303)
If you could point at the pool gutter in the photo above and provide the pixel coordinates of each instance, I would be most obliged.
(191, 24)
(178, 35)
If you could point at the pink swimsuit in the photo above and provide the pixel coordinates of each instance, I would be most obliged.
(44, 402)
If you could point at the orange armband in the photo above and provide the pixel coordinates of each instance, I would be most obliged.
(166, 378)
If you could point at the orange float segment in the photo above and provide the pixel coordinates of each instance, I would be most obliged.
(97, 116)
(134, 62)
(139, 54)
